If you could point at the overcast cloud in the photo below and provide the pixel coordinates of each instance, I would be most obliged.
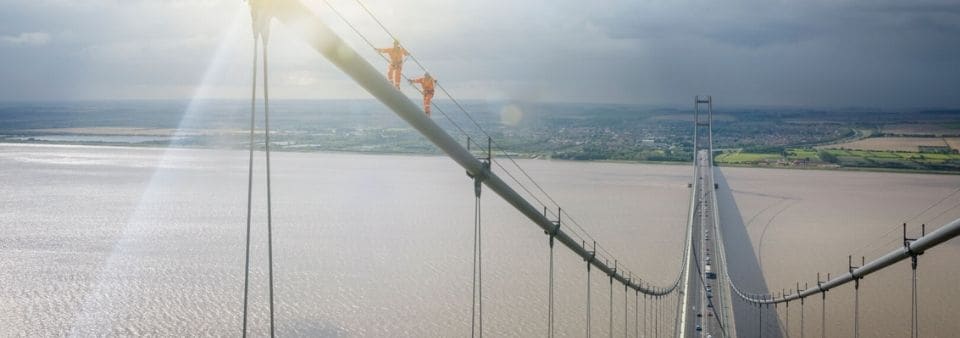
(888, 54)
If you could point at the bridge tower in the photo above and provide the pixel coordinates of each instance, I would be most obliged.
(706, 121)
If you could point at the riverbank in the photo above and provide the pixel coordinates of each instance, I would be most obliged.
(796, 160)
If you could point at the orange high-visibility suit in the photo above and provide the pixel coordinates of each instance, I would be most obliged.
(396, 55)
(427, 83)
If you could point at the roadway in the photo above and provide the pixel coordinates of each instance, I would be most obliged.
(705, 298)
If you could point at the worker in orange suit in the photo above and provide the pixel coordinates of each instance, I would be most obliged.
(426, 82)
(396, 56)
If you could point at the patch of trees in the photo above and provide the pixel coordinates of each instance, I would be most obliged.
(828, 157)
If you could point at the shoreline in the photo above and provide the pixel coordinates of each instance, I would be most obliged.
(515, 156)
(846, 169)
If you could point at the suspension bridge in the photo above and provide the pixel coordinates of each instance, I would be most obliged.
(702, 298)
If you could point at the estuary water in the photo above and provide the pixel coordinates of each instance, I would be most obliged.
(146, 241)
(122, 241)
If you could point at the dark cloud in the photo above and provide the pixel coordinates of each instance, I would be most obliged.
(756, 35)
(820, 53)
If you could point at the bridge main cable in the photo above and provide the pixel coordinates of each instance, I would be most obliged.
(910, 249)
(321, 38)
(943, 234)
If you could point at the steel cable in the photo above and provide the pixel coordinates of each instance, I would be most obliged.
(914, 311)
(476, 308)
(266, 130)
(462, 131)
(588, 300)
(625, 312)
(550, 298)
(473, 120)
(253, 113)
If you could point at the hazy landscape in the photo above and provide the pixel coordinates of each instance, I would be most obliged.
(918, 140)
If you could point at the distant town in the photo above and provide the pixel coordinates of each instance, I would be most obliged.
(922, 140)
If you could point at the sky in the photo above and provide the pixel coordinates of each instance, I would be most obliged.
(888, 54)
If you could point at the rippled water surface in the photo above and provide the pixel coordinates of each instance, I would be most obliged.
(131, 241)
(136, 241)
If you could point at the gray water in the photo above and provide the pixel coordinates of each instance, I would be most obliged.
(97, 138)
(101, 241)
(131, 241)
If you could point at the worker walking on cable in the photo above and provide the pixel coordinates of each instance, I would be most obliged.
(396, 56)
(426, 82)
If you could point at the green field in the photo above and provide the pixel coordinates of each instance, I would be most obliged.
(739, 157)
(827, 158)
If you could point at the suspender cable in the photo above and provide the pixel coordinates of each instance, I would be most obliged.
(253, 113)
(760, 322)
(676, 325)
(476, 307)
(676, 314)
(445, 115)
(911, 247)
(473, 120)
(479, 269)
(473, 277)
(611, 306)
(266, 131)
(288, 15)
(856, 308)
(667, 312)
(914, 315)
(636, 313)
(327, 43)
(787, 330)
(625, 312)
(656, 316)
(801, 317)
(823, 317)
(550, 297)
(667, 306)
(588, 299)
(261, 32)
(550, 311)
